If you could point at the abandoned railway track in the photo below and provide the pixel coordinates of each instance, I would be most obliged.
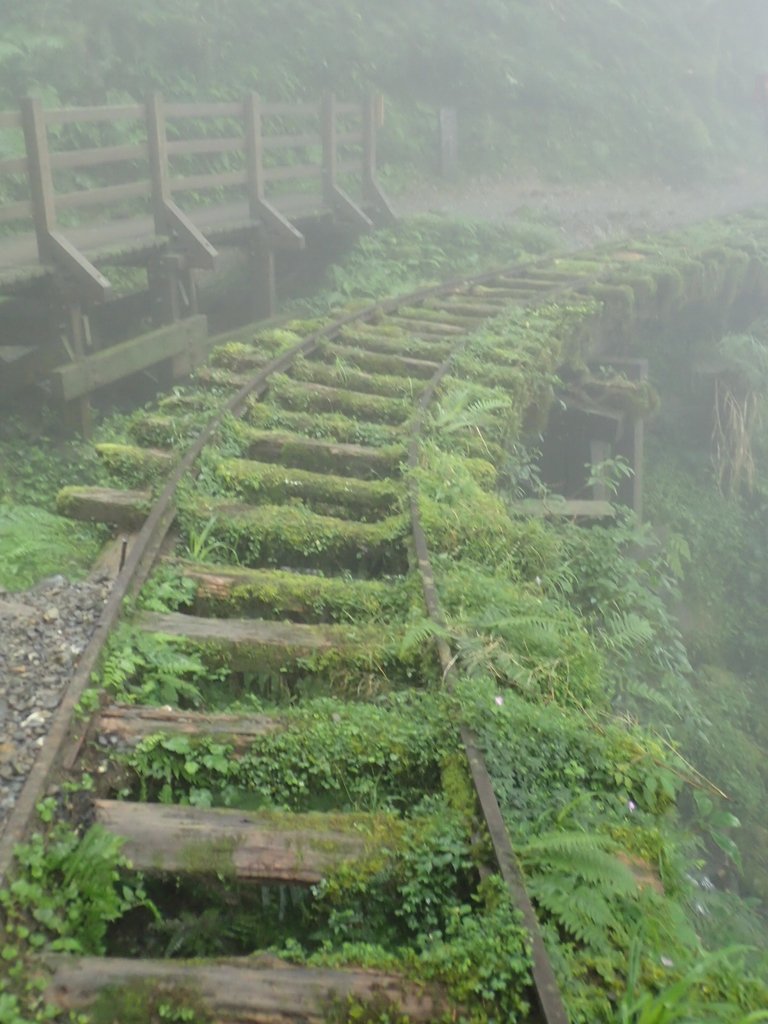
(299, 561)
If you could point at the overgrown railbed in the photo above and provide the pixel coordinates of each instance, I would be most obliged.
(565, 642)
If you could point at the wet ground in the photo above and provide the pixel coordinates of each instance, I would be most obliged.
(591, 213)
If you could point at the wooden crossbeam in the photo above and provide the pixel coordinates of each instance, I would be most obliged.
(256, 990)
(81, 378)
(129, 724)
(263, 846)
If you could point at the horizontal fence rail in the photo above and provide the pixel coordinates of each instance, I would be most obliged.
(120, 169)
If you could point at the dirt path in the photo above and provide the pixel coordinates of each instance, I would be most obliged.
(588, 214)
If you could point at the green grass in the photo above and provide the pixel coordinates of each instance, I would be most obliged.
(35, 543)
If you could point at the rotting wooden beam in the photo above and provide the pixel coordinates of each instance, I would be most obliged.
(252, 990)
(127, 509)
(244, 640)
(112, 364)
(258, 846)
(130, 724)
(354, 460)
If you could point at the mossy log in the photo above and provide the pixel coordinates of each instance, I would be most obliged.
(381, 362)
(353, 460)
(479, 307)
(220, 378)
(276, 593)
(292, 535)
(351, 379)
(299, 395)
(398, 344)
(325, 492)
(128, 725)
(160, 430)
(252, 990)
(239, 357)
(125, 460)
(422, 328)
(263, 846)
(331, 425)
(441, 317)
(126, 509)
(244, 645)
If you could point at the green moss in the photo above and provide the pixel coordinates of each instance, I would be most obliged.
(296, 395)
(324, 492)
(339, 375)
(132, 465)
(149, 1002)
(335, 426)
(272, 593)
(276, 535)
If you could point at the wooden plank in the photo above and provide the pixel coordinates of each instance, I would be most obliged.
(68, 115)
(158, 160)
(184, 147)
(262, 846)
(22, 210)
(298, 451)
(292, 172)
(252, 990)
(349, 138)
(111, 364)
(10, 119)
(200, 252)
(127, 509)
(428, 327)
(565, 508)
(210, 179)
(103, 196)
(129, 724)
(195, 110)
(14, 165)
(290, 109)
(99, 155)
(276, 142)
(90, 279)
(40, 179)
(244, 641)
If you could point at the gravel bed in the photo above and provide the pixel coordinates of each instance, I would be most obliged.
(43, 632)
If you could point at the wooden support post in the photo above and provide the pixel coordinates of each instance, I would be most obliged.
(158, 161)
(77, 413)
(262, 273)
(40, 176)
(163, 273)
(261, 210)
(328, 135)
(599, 451)
(334, 196)
(169, 219)
(372, 193)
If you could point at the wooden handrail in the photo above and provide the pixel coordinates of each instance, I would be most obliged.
(330, 131)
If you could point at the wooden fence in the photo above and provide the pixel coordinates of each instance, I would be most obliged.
(82, 185)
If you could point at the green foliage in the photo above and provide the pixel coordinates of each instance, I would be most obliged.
(35, 544)
(325, 753)
(68, 886)
(147, 668)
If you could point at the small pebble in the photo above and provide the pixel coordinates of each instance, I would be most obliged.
(42, 635)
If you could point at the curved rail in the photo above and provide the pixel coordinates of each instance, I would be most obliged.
(65, 739)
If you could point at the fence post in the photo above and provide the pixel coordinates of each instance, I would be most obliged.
(158, 160)
(371, 120)
(40, 176)
(254, 153)
(328, 133)
(373, 114)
